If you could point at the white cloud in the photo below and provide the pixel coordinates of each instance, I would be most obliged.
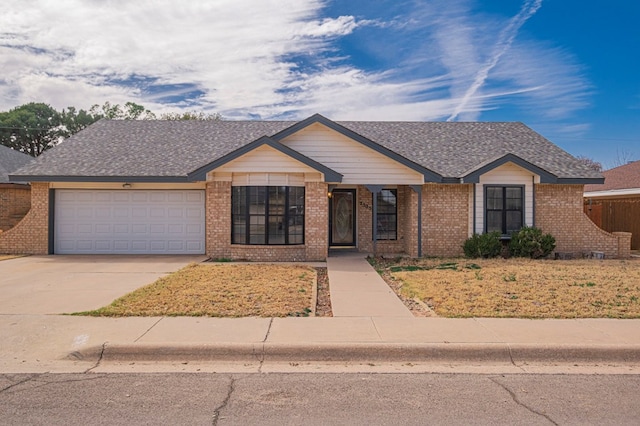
(281, 58)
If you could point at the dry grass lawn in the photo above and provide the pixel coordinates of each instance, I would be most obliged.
(520, 287)
(221, 290)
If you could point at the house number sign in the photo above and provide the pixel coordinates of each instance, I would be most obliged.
(365, 205)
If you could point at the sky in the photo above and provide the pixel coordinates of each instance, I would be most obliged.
(569, 69)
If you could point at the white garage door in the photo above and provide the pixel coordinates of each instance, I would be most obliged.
(129, 222)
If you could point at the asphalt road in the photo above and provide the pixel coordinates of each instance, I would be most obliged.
(318, 399)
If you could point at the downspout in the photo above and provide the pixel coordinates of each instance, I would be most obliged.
(533, 201)
(474, 209)
(52, 221)
(418, 190)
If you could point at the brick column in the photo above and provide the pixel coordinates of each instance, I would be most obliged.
(624, 244)
(316, 221)
(218, 219)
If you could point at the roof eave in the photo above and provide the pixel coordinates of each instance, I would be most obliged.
(473, 176)
(130, 179)
(581, 181)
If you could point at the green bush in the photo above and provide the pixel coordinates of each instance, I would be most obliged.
(483, 245)
(531, 242)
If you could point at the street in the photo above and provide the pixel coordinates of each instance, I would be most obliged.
(321, 398)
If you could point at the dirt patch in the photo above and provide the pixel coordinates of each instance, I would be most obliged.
(323, 305)
(516, 287)
(224, 290)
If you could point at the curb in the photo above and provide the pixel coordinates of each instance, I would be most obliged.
(499, 353)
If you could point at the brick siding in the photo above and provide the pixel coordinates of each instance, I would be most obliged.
(15, 202)
(445, 219)
(31, 234)
(559, 211)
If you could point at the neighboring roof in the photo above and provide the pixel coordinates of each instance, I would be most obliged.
(625, 177)
(10, 161)
(172, 150)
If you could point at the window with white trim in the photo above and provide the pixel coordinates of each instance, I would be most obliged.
(504, 209)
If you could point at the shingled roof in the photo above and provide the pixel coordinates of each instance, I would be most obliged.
(169, 150)
(11, 160)
(623, 177)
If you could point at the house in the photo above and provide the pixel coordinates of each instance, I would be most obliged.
(15, 198)
(615, 205)
(290, 191)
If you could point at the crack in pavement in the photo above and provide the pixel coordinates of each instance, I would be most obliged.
(97, 364)
(29, 378)
(148, 330)
(260, 357)
(520, 403)
(216, 412)
(41, 380)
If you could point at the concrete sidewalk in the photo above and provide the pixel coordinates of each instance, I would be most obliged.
(39, 343)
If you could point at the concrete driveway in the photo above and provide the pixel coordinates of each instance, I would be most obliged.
(73, 283)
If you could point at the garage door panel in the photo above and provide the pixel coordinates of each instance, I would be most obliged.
(103, 228)
(121, 196)
(103, 245)
(108, 221)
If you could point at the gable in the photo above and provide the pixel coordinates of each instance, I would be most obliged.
(265, 165)
(506, 174)
(357, 163)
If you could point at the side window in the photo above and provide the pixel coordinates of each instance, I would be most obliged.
(504, 208)
(387, 216)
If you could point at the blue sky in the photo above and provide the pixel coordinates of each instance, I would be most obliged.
(569, 69)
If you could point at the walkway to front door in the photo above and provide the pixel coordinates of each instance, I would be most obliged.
(358, 291)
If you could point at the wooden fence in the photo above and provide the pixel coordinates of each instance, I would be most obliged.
(616, 215)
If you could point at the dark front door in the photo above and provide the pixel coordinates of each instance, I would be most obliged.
(342, 219)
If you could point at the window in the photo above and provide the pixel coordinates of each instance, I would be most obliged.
(267, 215)
(504, 209)
(387, 215)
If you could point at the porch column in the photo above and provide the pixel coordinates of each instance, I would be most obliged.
(375, 190)
(418, 190)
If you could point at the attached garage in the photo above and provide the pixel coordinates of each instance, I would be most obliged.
(129, 221)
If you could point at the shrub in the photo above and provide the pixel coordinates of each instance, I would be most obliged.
(531, 242)
(483, 245)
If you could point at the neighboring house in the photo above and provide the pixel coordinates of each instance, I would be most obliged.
(15, 198)
(615, 205)
(288, 191)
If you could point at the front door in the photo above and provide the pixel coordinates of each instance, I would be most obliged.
(342, 219)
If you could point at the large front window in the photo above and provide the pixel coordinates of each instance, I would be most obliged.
(387, 215)
(504, 209)
(267, 215)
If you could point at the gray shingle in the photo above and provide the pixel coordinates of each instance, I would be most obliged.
(11, 160)
(175, 148)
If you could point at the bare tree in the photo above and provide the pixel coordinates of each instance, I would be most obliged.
(590, 163)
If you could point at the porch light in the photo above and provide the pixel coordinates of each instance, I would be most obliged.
(126, 185)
